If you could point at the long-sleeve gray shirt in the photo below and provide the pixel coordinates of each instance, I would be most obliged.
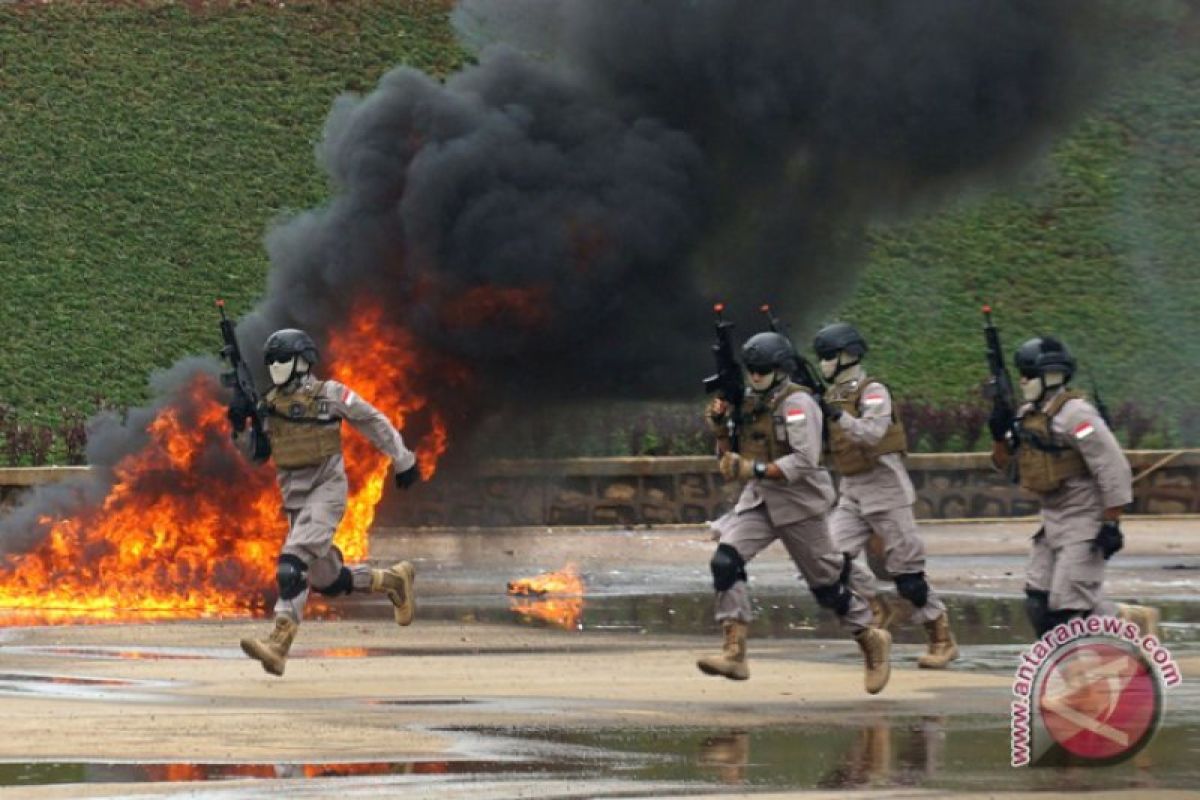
(1073, 512)
(326, 482)
(808, 489)
(886, 486)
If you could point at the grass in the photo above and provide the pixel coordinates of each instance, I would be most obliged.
(145, 148)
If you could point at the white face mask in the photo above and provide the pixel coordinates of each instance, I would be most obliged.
(1031, 389)
(828, 367)
(281, 372)
(760, 383)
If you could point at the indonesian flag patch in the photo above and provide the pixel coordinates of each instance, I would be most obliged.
(795, 416)
(1084, 430)
(873, 399)
(347, 397)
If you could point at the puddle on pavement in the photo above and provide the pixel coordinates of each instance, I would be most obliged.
(76, 687)
(927, 752)
(976, 620)
(49, 772)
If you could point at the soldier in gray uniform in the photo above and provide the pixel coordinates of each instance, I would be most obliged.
(866, 446)
(786, 496)
(303, 421)
(1060, 448)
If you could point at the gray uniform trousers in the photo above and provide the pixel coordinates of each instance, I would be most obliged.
(879, 501)
(810, 547)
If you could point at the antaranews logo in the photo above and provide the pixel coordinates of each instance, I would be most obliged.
(1089, 692)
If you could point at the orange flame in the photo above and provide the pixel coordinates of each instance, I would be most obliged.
(190, 528)
(554, 597)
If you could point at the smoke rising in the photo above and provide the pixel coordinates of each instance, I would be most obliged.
(560, 215)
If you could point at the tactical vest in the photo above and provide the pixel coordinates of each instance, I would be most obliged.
(850, 457)
(764, 430)
(304, 431)
(1044, 461)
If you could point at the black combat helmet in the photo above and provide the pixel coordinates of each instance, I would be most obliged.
(768, 351)
(288, 343)
(1043, 354)
(833, 339)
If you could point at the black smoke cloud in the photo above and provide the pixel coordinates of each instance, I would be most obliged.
(629, 162)
(636, 160)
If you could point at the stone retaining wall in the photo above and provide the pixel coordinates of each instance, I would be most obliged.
(649, 490)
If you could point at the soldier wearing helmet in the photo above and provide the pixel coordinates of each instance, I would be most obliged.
(304, 417)
(786, 496)
(866, 446)
(1060, 448)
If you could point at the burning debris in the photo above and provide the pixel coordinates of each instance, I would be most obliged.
(553, 597)
(547, 225)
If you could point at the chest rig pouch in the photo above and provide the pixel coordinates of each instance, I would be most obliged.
(764, 429)
(304, 431)
(849, 457)
(1044, 460)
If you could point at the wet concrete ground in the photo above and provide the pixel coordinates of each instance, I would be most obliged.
(478, 698)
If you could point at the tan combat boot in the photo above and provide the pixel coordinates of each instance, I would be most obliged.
(397, 583)
(272, 652)
(732, 661)
(1145, 617)
(942, 647)
(876, 646)
(883, 613)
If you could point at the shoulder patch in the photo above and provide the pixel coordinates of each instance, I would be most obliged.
(795, 416)
(875, 397)
(347, 396)
(1083, 430)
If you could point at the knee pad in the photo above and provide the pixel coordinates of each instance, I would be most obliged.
(912, 587)
(291, 574)
(728, 567)
(343, 584)
(1037, 606)
(834, 596)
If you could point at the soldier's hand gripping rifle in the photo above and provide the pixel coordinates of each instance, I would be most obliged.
(246, 405)
(999, 386)
(727, 382)
(801, 369)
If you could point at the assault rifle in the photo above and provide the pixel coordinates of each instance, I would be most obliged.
(999, 386)
(801, 369)
(242, 382)
(727, 382)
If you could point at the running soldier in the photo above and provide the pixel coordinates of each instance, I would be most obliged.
(1060, 448)
(303, 419)
(786, 497)
(866, 446)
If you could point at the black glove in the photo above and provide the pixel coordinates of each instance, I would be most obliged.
(1000, 422)
(240, 410)
(1109, 540)
(831, 412)
(408, 477)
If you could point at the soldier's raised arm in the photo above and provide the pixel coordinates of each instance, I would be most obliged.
(370, 422)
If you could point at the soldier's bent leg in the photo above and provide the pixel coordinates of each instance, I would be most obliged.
(743, 536)
(291, 577)
(1039, 572)
(1077, 584)
(827, 574)
(906, 561)
(850, 534)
